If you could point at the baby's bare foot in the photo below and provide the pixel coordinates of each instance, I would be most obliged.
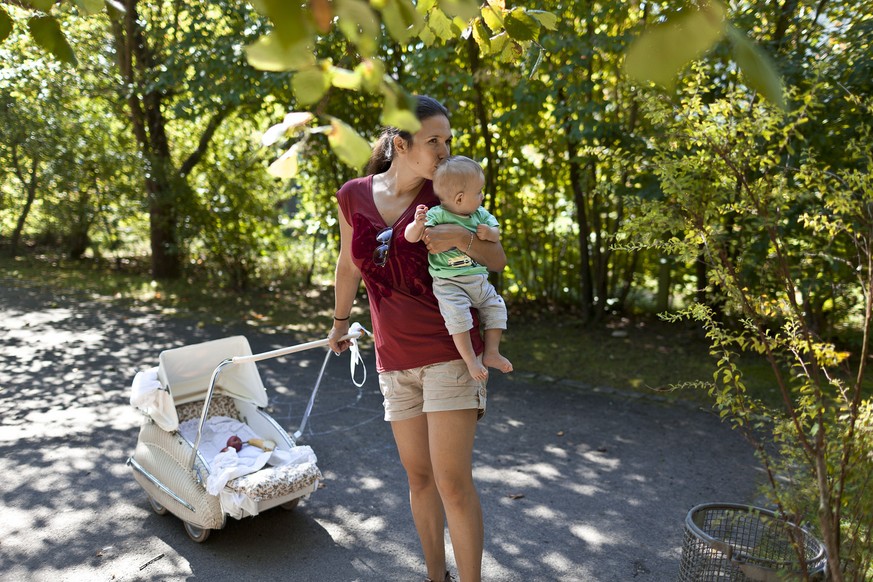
(497, 361)
(478, 371)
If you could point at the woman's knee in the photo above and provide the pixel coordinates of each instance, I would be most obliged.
(456, 489)
(420, 479)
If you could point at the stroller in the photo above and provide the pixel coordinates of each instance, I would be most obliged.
(190, 414)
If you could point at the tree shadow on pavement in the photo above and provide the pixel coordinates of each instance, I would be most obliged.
(575, 484)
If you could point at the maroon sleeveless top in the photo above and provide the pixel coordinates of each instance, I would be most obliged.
(407, 325)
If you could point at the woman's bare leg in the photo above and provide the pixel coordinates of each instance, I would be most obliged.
(411, 437)
(451, 454)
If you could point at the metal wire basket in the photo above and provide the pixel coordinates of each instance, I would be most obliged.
(739, 543)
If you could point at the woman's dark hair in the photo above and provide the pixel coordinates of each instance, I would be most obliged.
(383, 152)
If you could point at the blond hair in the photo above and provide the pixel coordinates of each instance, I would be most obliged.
(453, 175)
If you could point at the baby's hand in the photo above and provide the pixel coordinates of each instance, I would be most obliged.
(420, 213)
(489, 233)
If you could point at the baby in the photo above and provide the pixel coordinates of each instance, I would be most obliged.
(459, 283)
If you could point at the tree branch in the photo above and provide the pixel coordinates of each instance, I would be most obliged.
(195, 156)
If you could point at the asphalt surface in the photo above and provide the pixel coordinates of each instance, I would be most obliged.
(577, 483)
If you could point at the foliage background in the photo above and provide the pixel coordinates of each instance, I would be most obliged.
(616, 199)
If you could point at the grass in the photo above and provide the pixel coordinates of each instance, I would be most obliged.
(642, 354)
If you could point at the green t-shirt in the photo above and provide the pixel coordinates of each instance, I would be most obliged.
(454, 263)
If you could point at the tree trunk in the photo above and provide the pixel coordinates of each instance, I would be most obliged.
(700, 273)
(482, 118)
(165, 183)
(487, 140)
(784, 14)
(136, 61)
(29, 183)
(665, 276)
(586, 283)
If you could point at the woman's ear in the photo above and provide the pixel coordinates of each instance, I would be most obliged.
(400, 144)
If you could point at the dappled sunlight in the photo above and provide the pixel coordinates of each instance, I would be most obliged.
(600, 484)
(500, 475)
(595, 538)
(583, 489)
(556, 451)
(73, 510)
(573, 485)
(343, 521)
(603, 462)
(370, 484)
(540, 512)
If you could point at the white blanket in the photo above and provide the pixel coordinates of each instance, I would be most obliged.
(224, 466)
(147, 394)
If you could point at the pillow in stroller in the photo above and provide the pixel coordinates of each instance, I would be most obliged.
(221, 405)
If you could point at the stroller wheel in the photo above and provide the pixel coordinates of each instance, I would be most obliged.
(157, 507)
(198, 534)
(291, 505)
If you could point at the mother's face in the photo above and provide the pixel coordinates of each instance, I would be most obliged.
(430, 146)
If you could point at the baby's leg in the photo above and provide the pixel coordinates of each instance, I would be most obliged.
(455, 308)
(492, 315)
(465, 347)
(492, 358)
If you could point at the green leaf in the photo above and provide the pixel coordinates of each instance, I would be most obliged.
(89, 7)
(492, 18)
(466, 9)
(372, 73)
(345, 79)
(520, 26)
(512, 52)
(401, 19)
(424, 6)
(398, 109)
(349, 147)
(359, 25)
(293, 120)
(46, 32)
(440, 24)
(427, 36)
(498, 42)
(661, 52)
(44, 5)
(285, 165)
(481, 36)
(759, 71)
(537, 62)
(268, 53)
(546, 19)
(290, 28)
(309, 85)
(5, 24)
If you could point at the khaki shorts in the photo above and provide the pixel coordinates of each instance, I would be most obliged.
(433, 388)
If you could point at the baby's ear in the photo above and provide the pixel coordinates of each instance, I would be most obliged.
(459, 197)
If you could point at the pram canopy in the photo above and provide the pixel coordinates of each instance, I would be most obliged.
(186, 373)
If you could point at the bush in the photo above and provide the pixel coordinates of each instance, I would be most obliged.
(789, 251)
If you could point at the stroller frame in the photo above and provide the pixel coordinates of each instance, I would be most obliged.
(173, 471)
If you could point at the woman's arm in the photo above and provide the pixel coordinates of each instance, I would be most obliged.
(346, 283)
(446, 236)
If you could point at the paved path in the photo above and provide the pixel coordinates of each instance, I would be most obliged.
(576, 484)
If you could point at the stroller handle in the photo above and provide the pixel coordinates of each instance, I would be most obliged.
(356, 331)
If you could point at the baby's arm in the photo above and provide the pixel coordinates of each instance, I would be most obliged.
(489, 233)
(415, 229)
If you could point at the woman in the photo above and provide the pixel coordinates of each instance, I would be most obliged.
(430, 399)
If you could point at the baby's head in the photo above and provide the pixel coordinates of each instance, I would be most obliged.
(458, 183)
